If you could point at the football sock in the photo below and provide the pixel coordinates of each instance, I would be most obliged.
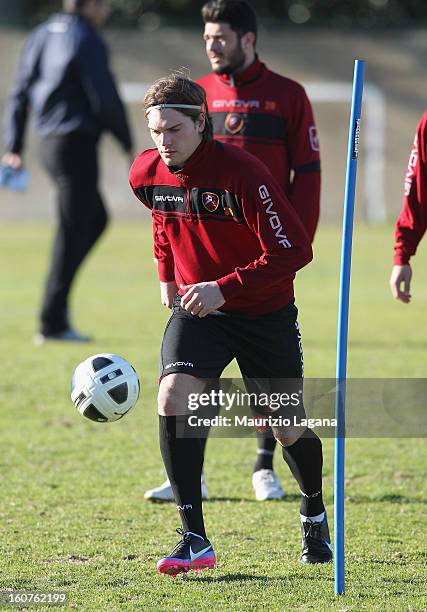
(305, 460)
(265, 452)
(203, 446)
(208, 412)
(183, 460)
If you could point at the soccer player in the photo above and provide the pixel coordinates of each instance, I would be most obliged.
(412, 221)
(228, 244)
(271, 117)
(64, 77)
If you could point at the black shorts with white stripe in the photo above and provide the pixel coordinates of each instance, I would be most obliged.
(264, 346)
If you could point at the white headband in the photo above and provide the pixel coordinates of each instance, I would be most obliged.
(162, 106)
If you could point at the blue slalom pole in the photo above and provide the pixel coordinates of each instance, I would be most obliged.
(341, 371)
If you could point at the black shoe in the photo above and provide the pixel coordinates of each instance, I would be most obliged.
(193, 552)
(316, 543)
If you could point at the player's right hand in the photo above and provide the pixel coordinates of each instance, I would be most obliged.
(12, 159)
(401, 274)
(167, 293)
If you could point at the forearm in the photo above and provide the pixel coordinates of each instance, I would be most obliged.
(270, 269)
(410, 226)
(15, 123)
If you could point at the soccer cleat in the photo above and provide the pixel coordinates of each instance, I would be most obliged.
(266, 485)
(164, 492)
(67, 335)
(316, 543)
(192, 553)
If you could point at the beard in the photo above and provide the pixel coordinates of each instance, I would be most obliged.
(235, 61)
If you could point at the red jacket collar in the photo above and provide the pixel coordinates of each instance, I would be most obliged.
(192, 162)
(251, 73)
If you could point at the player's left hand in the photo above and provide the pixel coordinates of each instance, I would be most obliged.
(202, 298)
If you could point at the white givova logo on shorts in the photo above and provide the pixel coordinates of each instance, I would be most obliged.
(174, 364)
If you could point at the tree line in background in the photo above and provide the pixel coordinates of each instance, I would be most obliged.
(333, 13)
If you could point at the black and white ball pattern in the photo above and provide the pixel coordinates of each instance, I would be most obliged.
(104, 387)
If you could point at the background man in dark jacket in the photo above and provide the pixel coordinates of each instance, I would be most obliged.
(64, 77)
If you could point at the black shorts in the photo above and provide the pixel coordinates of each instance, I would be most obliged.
(264, 346)
(267, 349)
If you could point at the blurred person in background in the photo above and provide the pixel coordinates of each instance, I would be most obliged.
(271, 117)
(65, 79)
(412, 221)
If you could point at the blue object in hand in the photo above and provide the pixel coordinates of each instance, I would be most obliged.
(15, 179)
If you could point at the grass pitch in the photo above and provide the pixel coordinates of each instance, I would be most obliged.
(72, 513)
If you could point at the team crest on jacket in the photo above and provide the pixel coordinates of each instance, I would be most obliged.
(314, 139)
(234, 123)
(210, 201)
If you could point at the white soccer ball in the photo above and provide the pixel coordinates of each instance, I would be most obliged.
(104, 387)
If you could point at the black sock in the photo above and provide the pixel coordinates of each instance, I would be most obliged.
(265, 452)
(203, 447)
(305, 460)
(183, 460)
(202, 431)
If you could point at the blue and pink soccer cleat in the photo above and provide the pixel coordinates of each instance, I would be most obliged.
(192, 553)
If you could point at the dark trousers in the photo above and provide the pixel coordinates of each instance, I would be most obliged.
(72, 163)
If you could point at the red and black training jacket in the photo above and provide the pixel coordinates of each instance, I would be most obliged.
(271, 117)
(223, 218)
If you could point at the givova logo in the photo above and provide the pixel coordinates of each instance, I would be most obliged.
(273, 217)
(235, 103)
(168, 198)
(412, 165)
(174, 364)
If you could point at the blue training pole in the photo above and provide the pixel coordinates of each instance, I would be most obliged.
(341, 372)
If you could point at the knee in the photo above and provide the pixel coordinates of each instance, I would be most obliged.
(286, 436)
(166, 405)
(168, 398)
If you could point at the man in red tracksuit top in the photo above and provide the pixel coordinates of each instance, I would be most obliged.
(258, 110)
(228, 245)
(412, 221)
(271, 117)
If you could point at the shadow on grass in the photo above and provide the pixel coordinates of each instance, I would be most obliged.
(392, 498)
(291, 578)
(376, 343)
(293, 497)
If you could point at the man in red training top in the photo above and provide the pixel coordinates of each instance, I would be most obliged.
(271, 117)
(412, 221)
(228, 244)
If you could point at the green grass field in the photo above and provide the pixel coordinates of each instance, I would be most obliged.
(72, 513)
